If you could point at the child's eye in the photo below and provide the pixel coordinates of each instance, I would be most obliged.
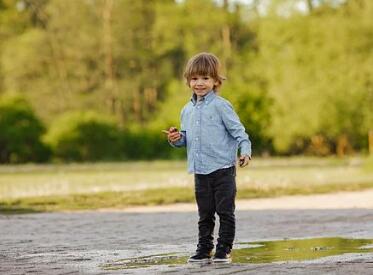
(206, 78)
(194, 78)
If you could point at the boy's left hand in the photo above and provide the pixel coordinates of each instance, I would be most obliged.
(244, 160)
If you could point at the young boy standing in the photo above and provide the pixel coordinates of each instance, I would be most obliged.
(212, 133)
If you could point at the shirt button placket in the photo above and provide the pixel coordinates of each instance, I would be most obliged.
(197, 139)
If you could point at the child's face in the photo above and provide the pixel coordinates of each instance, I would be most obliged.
(202, 84)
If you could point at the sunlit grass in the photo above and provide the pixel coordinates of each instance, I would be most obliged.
(45, 180)
(151, 197)
(28, 188)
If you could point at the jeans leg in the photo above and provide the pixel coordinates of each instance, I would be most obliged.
(206, 210)
(225, 194)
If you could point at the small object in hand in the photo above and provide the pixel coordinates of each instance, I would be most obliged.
(242, 161)
(172, 130)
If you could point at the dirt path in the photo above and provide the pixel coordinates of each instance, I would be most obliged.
(82, 243)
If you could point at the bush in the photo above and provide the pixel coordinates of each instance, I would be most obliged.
(20, 133)
(148, 144)
(85, 136)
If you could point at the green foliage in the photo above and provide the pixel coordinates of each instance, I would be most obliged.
(178, 94)
(150, 144)
(252, 103)
(84, 136)
(299, 79)
(20, 133)
(318, 68)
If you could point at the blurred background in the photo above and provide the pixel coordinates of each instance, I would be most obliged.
(97, 81)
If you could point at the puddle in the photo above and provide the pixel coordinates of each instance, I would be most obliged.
(260, 252)
(300, 250)
(148, 261)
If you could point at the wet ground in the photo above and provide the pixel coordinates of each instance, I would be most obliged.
(268, 241)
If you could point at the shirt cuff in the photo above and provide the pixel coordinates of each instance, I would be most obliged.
(173, 145)
(245, 150)
(179, 143)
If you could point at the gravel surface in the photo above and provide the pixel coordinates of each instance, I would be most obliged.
(82, 243)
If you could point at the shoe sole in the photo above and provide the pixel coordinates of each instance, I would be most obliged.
(222, 261)
(204, 261)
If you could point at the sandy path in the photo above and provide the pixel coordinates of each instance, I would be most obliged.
(341, 200)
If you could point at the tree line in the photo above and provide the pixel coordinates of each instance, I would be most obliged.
(298, 73)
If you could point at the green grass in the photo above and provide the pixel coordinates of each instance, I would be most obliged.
(45, 188)
(368, 164)
(154, 197)
(97, 200)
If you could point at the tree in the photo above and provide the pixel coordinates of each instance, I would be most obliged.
(319, 79)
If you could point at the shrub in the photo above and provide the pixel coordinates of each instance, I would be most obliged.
(85, 136)
(148, 144)
(20, 133)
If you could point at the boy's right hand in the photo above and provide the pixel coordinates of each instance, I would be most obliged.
(173, 134)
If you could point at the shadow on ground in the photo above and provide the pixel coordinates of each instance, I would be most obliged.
(6, 209)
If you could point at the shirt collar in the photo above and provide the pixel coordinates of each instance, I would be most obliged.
(207, 98)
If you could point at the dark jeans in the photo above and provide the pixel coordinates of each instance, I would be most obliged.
(216, 192)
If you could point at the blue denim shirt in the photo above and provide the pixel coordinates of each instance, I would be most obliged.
(212, 133)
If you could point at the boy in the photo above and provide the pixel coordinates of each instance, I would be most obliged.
(212, 133)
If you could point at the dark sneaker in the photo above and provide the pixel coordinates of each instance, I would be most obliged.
(222, 255)
(203, 255)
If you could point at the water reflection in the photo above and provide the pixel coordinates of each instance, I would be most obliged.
(261, 252)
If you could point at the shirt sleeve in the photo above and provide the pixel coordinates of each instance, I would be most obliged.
(235, 128)
(182, 141)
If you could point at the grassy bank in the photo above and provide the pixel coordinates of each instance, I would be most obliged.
(41, 188)
(155, 197)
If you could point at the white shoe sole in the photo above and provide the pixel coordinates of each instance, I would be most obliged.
(204, 261)
(222, 261)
